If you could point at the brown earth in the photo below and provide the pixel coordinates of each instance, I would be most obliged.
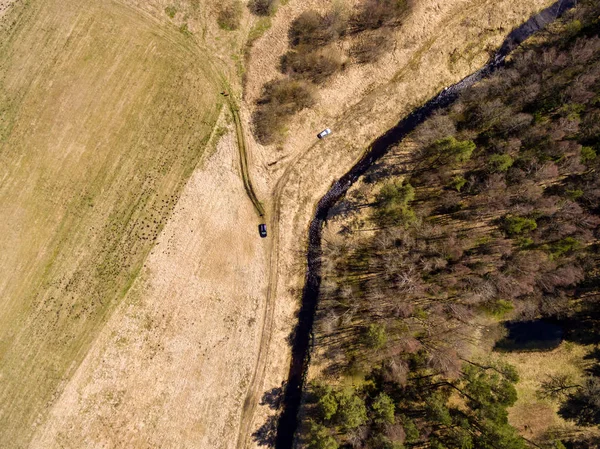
(185, 357)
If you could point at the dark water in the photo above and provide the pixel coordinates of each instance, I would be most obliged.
(537, 335)
(288, 422)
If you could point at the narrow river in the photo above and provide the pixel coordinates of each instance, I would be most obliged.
(301, 345)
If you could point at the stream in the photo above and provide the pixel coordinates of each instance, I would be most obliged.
(301, 342)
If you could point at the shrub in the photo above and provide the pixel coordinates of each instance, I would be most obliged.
(312, 30)
(457, 183)
(393, 203)
(184, 28)
(373, 14)
(370, 47)
(525, 242)
(514, 225)
(449, 151)
(315, 66)
(574, 194)
(230, 15)
(280, 99)
(396, 193)
(500, 162)
(564, 246)
(171, 11)
(499, 308)
(263, 7)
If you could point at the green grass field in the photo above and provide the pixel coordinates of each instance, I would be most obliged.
(104, 113)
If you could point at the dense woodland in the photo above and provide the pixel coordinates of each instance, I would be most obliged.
(489, 211)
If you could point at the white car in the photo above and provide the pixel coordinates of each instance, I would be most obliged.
(324, 133)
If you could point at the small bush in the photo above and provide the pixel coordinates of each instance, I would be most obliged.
(564, 246)
(375, 336)
(370, 47)
(575, 194)
(588, 154)
(263, 7)
(185, 29)
(230, 15)
(449, 151)
(316, 66)
(499, 308)
(171, 11)
(280, 99)
(313, 30)
(374, 14)
(393, 203)
(457, 183)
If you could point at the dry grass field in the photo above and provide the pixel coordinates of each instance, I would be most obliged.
(104, 114)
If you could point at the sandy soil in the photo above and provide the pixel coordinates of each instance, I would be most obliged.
(186, 358)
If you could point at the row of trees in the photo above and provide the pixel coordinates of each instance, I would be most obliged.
(494, 213)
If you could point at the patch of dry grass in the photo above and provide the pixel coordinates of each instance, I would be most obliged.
(104, 113)
(531, 415)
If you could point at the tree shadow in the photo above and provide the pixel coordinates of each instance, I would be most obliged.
(582, 326)
(267, 433)
(273, 397)
(594, 355)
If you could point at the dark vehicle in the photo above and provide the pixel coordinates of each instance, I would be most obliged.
(262, 230)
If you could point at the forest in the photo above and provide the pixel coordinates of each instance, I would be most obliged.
(489, 212)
